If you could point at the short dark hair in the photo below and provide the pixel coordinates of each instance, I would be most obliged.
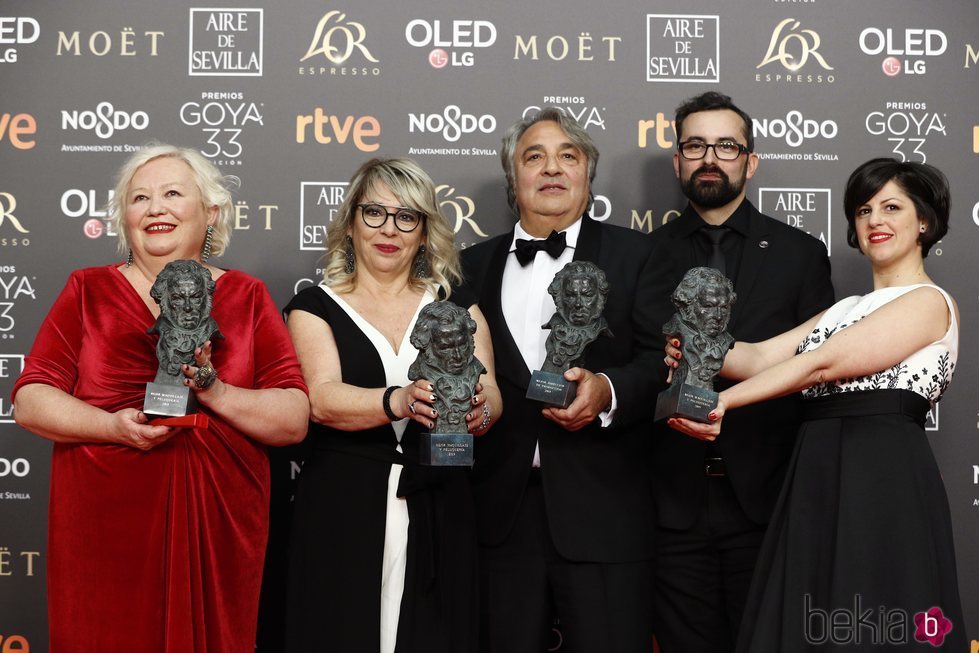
(712, 101)
(925, 184)
(576, 134)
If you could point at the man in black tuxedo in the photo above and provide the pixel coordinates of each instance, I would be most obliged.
(563, 496)
(714, 500)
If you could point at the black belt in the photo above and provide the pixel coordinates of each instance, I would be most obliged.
(714, 466)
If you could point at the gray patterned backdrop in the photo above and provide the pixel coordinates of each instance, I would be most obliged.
(293, 96)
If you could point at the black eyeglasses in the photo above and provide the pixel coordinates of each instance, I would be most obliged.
(723, 150)
(376, 215)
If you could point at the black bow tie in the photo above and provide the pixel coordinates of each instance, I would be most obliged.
(527, 249)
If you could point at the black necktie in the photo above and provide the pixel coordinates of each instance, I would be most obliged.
(715, 237)
(527, 249)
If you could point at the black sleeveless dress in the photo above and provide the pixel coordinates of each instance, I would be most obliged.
(337, 538)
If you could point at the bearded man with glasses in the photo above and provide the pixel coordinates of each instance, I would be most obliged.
(714, 499)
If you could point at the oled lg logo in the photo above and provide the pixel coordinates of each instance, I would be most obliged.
(913, 43)
(453, 42)
(15, 31)
(77, 203)
(883, 626)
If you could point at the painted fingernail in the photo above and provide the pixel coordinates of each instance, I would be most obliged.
(431, 388)
(432, 398)
(676, 355)
(712, 416)
(676, 343)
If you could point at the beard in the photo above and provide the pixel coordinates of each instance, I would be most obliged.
(714, 194)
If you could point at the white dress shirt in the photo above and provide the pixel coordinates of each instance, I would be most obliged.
(527, 305)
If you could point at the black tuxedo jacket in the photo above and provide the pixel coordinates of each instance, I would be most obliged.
(596, 484)
(783, 280)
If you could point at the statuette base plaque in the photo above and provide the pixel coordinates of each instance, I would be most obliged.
(446, 449)
(552, 389)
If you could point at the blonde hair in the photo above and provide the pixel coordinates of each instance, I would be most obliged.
(214, 187)
(413, 188)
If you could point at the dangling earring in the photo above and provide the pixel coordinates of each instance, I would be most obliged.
(348, 255)
(129, 259)
(208, 238)
(420, 269)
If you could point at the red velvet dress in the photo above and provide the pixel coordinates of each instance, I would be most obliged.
(157, 551)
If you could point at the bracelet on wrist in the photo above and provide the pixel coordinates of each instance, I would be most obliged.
(386, 403)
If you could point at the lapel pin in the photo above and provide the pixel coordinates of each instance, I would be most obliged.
(763, 244)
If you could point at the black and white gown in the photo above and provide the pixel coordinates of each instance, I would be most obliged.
(382, 550)
(862, 524)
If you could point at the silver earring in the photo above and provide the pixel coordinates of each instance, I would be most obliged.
(208, 241)
(129, 259)
(348, 255)
(420, 269)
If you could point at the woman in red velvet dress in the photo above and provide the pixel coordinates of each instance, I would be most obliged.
(156, 533)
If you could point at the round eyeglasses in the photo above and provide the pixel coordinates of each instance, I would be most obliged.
(376, 215)
(723, 150)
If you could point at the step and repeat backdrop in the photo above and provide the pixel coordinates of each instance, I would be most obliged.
(292, 97)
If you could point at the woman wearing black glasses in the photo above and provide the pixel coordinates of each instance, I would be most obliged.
(382, 550)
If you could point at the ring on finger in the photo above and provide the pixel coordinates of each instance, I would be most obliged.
(486, 417)
(205, 376)
(411, 406)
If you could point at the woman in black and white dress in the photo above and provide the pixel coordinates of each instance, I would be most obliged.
(382, 551)
(862, 524)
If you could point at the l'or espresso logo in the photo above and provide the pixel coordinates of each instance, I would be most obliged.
(587, 115)
(11, 365)
(12, 230)
(221, 117)
(682, 48)
(583, 47)
(15, 289)
(318, 203)
(904, 51)
(907, 126)
(452, 41)
(794, 46)
(226, 42)
(342, 44)
(807, 209)
(100, 43)
(461, 208)
(16, 31)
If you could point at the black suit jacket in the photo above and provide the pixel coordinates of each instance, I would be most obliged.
(782, 281)
(596, 485)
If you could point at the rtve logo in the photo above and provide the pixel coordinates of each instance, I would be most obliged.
(327, 128)
(15, 128)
